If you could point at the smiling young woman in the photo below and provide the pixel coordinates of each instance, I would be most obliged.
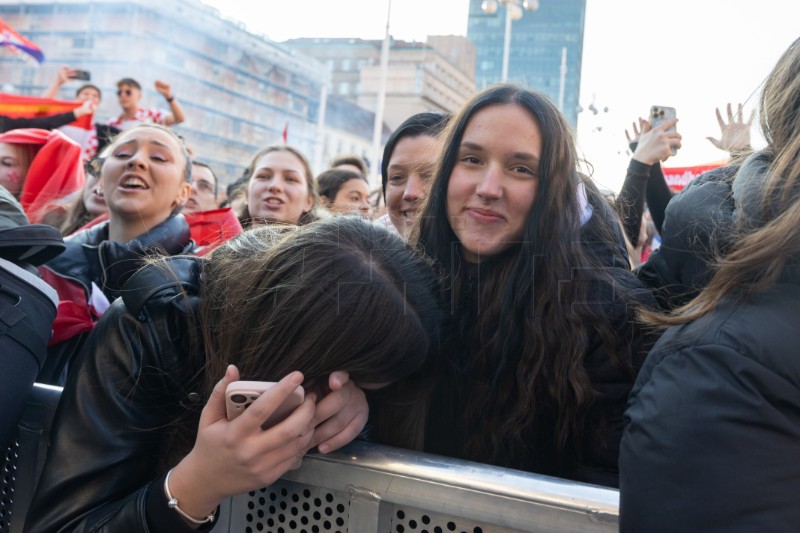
(542, 343)
(281, 188)
(145, 183)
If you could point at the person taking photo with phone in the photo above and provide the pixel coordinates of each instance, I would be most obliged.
(96, 139)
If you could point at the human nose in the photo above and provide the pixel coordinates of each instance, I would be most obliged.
(136, 161)
(490, 185)
(414, 190)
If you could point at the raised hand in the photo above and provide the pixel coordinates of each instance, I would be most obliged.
(638, 131)
(164, 88)
(657, 143)
(735, 135)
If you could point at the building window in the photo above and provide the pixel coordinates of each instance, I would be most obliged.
(344, 88)
(83, 42)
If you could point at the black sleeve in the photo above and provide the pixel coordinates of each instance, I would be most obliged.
(46, 123)
(630, 203)
(111, 427)
(710, 444)
(658, 195)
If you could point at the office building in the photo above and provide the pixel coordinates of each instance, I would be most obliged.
(239, 90)
(434, 76)
(538, 42)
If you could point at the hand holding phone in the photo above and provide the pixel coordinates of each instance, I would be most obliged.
(660, 113)
(80, 75)
(240, 394)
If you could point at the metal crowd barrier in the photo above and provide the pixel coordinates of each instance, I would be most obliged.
(362, 488)
(366, 488)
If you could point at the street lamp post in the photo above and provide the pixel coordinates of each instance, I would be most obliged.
(514, 11)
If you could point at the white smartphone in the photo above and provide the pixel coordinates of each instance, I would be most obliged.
(240, 394)
(660, 113)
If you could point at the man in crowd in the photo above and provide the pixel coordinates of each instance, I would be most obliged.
(129, 93)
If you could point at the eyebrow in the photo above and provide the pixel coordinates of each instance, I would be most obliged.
(136, 141)
(525, 156)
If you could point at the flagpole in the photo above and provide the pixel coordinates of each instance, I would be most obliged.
(377, 131)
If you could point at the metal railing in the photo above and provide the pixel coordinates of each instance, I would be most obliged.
(370, 488)
(361, 488)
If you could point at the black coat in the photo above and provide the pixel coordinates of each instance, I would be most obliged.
(91, 258)
(712, 436)
(104, 468)
(698, 223)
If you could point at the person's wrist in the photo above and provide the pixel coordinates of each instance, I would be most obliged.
(190, 493)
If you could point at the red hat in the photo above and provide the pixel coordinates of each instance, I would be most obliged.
(55, 172)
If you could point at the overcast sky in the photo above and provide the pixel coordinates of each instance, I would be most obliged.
(693, 55)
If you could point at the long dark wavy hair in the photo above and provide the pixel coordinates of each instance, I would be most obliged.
(521, 327)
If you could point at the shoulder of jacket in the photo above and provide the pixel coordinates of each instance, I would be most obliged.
(165, 278)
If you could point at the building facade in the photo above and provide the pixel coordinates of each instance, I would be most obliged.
(240, 91)
(420, 77)
(538, 41)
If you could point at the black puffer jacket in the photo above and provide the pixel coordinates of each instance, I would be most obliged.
(103, 471)
(697, 223)
(713, 423)
(712, 435)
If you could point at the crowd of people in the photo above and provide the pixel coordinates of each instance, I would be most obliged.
(496, 306)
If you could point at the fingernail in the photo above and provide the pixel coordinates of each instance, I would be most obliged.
(297, 378)
(323, 448)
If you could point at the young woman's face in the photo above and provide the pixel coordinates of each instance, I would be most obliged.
(143, 176)
(409, 174)
(12, 168)
(93, 199)
(495, 179)
(277, 190)
(352, 197)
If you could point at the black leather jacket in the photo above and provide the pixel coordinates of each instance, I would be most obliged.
(104, 471)
(91, 258)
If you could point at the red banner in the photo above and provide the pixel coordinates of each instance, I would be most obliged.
(15, 106)
(679, 177)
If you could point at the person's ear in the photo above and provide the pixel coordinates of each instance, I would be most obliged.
(183, 195)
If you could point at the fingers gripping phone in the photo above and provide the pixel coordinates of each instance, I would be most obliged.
(660, 113)
(81, 75)
(240, 394)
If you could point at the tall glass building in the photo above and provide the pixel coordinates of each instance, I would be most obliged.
(538, 41)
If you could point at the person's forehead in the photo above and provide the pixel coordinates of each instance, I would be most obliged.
(8, 150)
(127, 86)
(202, 174)
(89, 90)
(150, 135)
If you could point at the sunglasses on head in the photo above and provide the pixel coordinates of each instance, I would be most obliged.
(126, 92)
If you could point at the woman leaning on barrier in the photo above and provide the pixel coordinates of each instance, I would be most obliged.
(712, 433)
(542, 344)
(334, 305)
